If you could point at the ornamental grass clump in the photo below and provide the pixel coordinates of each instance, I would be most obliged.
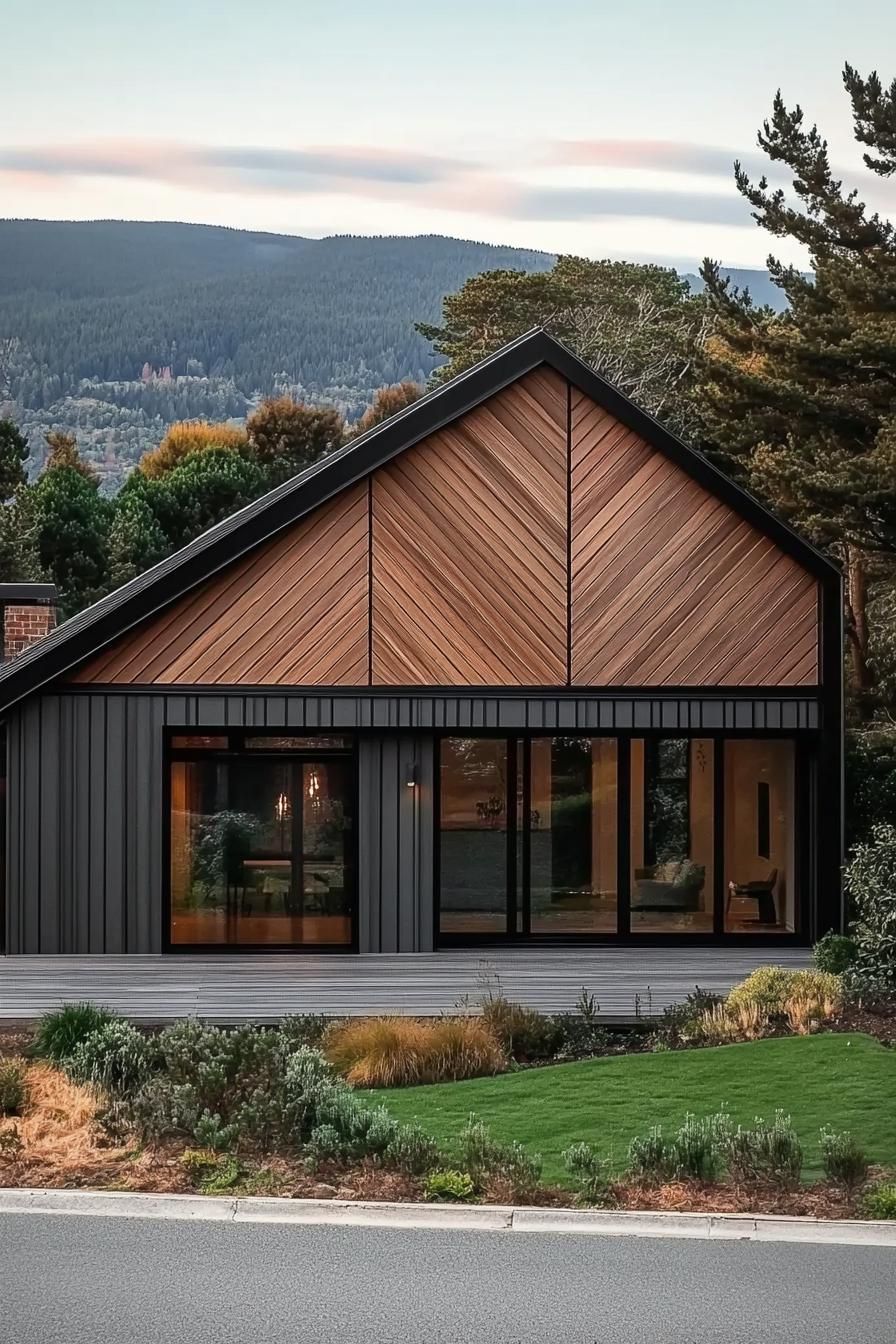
(404, 1051)
(60, 1033)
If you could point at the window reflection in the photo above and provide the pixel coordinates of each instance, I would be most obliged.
(573, 835)
(259, 852)
(473, 836)
(672, 835)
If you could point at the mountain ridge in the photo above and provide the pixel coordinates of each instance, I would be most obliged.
(124, 326)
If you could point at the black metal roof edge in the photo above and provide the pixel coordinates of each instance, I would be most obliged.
(38, 593)
(88, 632)
(225, 690)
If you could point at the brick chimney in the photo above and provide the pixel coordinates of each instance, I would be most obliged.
(29, 613)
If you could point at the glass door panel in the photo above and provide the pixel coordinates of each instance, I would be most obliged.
(760, 830)
(672, 811)
(473, 836)
(326, 908)
(572, 835)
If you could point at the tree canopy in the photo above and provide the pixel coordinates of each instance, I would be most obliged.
(803, 403)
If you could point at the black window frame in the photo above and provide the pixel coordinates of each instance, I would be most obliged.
(236, 750)
(806, 747)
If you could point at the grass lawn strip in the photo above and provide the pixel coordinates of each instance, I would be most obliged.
(848, 1082)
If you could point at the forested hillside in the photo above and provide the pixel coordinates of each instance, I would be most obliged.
(113, 330)
(122, 328)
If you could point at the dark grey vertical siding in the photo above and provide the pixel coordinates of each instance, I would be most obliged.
(85, 824)
(86, 820)
(395, 825)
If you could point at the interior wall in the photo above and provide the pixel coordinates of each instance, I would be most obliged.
(747, 763)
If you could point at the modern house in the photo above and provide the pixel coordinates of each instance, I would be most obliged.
(516, 665)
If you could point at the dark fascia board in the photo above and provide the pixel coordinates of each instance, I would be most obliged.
(43, 594)
(91, 630)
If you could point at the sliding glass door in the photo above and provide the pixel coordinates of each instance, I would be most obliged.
(575, 836)
(527, 836)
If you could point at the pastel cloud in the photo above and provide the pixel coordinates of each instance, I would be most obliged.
(396, 176)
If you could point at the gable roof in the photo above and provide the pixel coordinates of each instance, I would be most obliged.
(112, 616)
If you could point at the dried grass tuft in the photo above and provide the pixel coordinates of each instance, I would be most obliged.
(403, 1051)
(57, 1131)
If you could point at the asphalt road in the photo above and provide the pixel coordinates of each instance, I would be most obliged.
(95, 1280)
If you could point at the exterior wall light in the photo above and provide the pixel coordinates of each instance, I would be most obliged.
(412, 777)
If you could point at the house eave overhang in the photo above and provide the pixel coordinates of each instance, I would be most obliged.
(93, 629)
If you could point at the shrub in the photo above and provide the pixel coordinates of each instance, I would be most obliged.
(219, 1087)
(590, 1171)
(59, 1033)
(303, 1029)
(488, 1160)
(768, 989)
(767, 1152)
(522, 1032)
(11, 1144)
(116, 1057)
(580, 1034)
(402, 1051)
(13, 1089)
(834, 953)
(880, 1201)
(692, 1152)
(871, 884)
(209, 1171)
(676, 1023)
(412, 1150)
(844, 1161)
(649, 1156)
(446, 1187)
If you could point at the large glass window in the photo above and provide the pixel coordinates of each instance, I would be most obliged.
(528, 836)
(473, 845)
(760, 879)
(671, 810)
(572, 844)
(260, 849)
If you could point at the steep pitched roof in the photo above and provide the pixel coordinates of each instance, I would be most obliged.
(92, 629)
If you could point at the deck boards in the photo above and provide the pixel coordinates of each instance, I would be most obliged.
(627, 982)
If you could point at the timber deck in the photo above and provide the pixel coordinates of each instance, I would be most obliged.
(627, 982)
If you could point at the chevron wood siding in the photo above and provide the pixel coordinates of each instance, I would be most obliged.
(469, 547)
(671, 587)
(460, 551)
(294, 612)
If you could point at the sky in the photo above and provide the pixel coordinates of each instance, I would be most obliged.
(602, 129)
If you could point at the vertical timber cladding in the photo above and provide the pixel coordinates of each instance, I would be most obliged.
(469, 547)
(670, 586)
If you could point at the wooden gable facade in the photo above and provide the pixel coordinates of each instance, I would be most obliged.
(534, 541)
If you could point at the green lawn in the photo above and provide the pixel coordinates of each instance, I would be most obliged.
(845, 1081)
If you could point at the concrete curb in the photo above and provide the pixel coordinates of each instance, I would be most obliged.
(472, 1217)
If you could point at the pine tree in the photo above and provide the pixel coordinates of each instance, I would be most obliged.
(13, 456)
(804, 403)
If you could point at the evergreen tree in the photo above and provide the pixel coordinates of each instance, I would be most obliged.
(804, 403)
(13, 456)
(638, 325)
(65, 523)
